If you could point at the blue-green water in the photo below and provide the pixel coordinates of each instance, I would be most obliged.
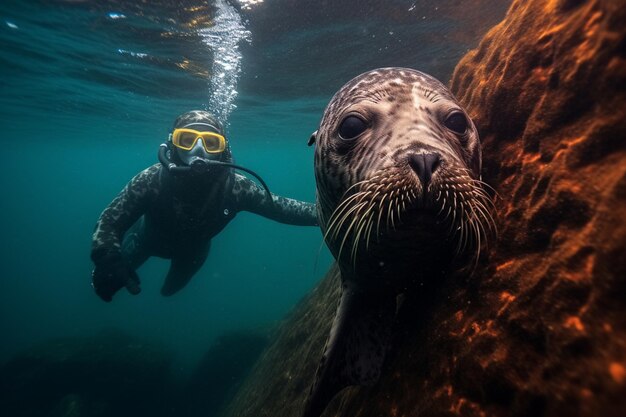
(89, 91)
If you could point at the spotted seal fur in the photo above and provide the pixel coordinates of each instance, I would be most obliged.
(399, 195)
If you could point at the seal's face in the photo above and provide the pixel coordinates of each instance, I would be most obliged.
(397, 165)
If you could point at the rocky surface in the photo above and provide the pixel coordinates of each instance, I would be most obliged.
(541, 328)
(111, 374)
(219, 373)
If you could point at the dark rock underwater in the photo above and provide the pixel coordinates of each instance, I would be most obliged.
(110, 374)
(115, 374)
(540, 328)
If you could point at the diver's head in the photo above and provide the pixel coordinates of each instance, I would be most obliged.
(197, 139)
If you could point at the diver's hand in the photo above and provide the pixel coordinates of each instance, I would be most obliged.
(111, 274)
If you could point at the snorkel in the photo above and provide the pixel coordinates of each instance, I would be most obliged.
(201, 165)
(197, 145)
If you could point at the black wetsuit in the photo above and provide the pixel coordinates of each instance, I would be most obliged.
(175, 217)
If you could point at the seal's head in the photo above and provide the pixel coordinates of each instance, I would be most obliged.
(397, 165)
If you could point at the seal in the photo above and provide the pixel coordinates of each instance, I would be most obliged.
(399, 197)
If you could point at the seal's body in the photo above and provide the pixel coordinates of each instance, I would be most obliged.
(397, 166)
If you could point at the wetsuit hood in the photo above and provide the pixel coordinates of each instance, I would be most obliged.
(202, 121)
(201, 166)
(196, 160)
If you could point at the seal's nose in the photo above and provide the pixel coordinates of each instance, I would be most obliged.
(424, 164)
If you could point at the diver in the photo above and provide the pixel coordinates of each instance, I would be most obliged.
(172, 209)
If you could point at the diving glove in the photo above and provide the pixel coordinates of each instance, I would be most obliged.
(111, 274)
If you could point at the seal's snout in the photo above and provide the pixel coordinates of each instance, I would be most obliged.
(424, 164)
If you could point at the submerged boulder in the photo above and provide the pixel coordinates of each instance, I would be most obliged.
(280, 380)
(111, 374)
(541, 329)
(220, 372)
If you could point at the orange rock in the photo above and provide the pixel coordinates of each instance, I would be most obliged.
(574, 323)
(618, 373)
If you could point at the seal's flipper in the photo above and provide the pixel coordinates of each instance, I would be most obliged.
(356, 347)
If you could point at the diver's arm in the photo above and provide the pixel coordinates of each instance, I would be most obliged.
(122, 213)
(250, 197)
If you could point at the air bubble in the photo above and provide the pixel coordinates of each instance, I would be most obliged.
(224, 37)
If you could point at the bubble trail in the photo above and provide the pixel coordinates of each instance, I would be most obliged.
(224, 38)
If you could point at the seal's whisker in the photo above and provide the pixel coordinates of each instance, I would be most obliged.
(485, 213)
(377, 189)
(333, 226)
(338, 218)
(397, 210)
(345, 203)
(353, 206)
(465, 232)
(476, 255)
(355, 243)
(483, 184)
(485, 203)
(476, 220)
(485, 235)
(450, 210)
(464, 204)
(355, 209)
(481, 238)
(365, 219)
(410, 196)
(454, 208)
(345, 236)
(479, 210)
(353, 186)
(356, 218)
(470, 178)
(482, 195)
(380, 214)
(369, 232)
(390, 213)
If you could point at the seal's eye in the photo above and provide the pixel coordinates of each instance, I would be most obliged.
(351, 127)
(456, 122)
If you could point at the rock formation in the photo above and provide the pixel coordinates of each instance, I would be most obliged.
(220, 372)
(111, 374)
(116, 374)
(540, 329)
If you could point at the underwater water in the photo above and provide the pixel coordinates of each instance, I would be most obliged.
(89, 91)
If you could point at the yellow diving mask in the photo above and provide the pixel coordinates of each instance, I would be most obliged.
(186, 139)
